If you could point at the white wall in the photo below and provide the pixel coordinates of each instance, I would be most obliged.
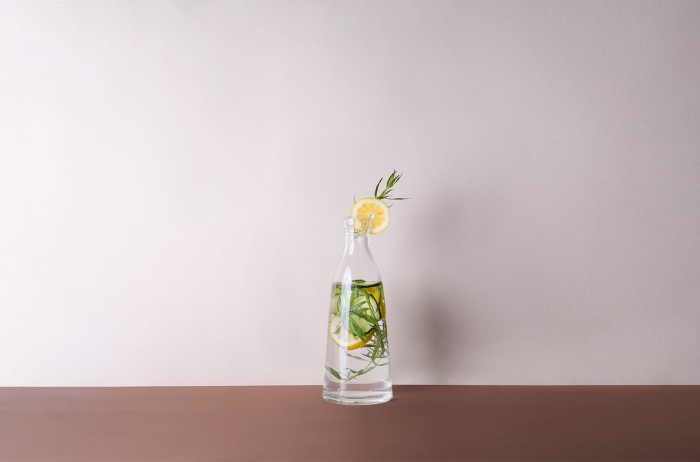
(173, 175)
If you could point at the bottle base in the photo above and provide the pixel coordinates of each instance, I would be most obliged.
(357, 398)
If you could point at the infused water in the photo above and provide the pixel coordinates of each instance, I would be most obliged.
(357, 355)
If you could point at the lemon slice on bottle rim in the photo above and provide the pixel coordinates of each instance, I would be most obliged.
(371, 206)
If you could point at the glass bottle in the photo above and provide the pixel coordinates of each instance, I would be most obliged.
(357, 349)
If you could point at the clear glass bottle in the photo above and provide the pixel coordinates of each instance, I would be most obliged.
(357, 350)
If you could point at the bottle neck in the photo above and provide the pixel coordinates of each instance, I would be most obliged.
(357, 242)
(357, 262)
(357, 235)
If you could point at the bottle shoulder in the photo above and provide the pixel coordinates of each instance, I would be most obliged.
(354, 267)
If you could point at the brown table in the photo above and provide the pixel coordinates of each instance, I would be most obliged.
(293, 423)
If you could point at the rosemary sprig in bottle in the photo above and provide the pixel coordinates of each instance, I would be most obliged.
(364, 305)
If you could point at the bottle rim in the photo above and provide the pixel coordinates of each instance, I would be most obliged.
(359, 225)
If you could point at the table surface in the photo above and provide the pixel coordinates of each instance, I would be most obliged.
(293, 423)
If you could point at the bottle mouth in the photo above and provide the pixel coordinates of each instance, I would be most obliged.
(360, 226)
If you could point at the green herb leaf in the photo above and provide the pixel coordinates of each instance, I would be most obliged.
(357, 304)
(356, 330)
(377, 188)
(334, 373)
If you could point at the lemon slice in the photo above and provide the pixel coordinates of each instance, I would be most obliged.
(345, 339)
(372, 206)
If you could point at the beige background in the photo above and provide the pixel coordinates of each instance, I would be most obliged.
(173, 177)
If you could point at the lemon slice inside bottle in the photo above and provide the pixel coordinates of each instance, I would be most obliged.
(344, 339)
(363, 208)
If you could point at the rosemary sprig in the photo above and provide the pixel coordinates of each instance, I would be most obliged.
(363, 305)
(388, 188)
(390, 182)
